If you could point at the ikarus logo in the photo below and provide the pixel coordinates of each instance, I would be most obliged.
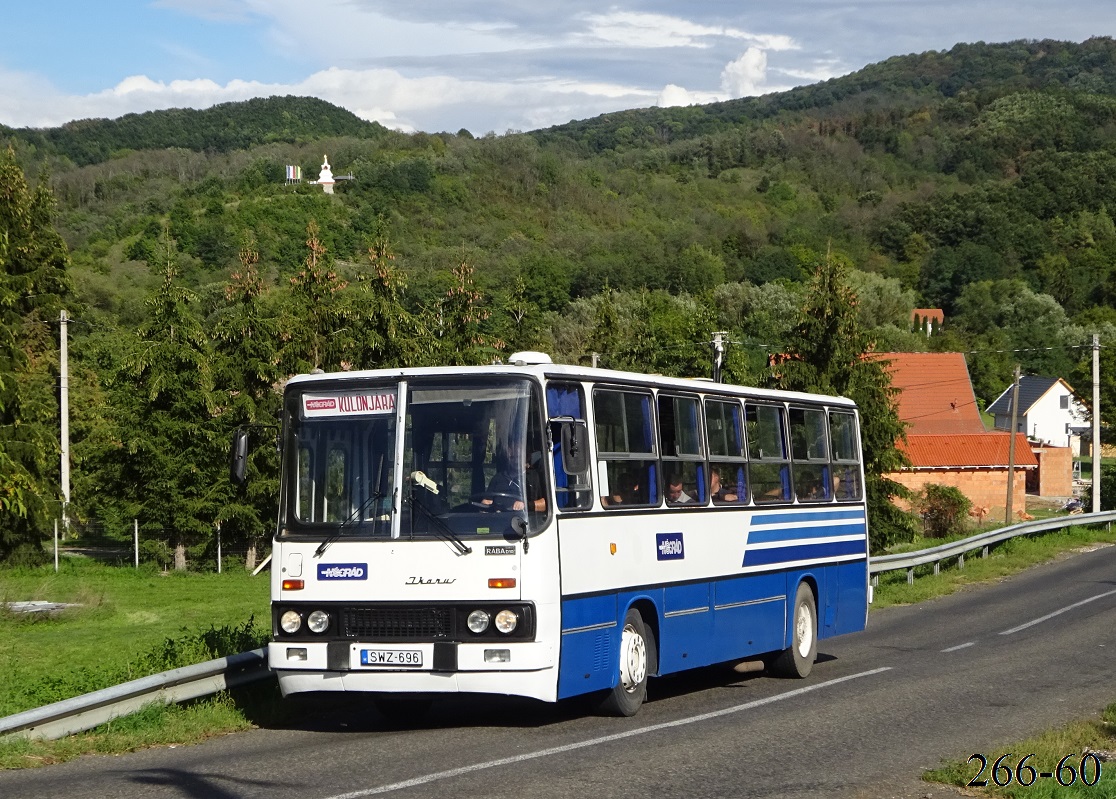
(342, 571)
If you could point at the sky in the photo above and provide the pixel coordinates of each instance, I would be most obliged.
(487, 67)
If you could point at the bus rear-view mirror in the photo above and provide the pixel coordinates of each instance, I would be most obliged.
(575, 450)
(238, 456)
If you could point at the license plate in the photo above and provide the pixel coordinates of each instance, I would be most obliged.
(391, 657)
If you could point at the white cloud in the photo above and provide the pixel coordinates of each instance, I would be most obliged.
(380, 95)
(744, 76)
(640, 30)
(672, 96)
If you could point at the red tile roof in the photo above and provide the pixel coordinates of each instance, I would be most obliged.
(931, 314)
(977, 450)
(936, 395)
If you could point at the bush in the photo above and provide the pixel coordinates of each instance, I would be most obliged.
(944, 510)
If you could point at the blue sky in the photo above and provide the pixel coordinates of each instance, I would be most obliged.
(498, 65)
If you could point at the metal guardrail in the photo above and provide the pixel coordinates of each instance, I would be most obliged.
(190, 682)
(89, 710)
(981, 541)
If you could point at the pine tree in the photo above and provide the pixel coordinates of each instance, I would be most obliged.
(33, 286)
(174, 452)
(312, 319)
(463, 340)
(248, 378)
(830, 353)
(385, 334)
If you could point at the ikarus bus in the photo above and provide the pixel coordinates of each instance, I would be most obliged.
(547, 531)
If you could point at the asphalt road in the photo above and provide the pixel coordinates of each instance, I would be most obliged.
(965, 674)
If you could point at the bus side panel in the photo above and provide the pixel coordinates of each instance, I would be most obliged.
(852, 580)
(590, 648)
(749, 616)
(686, 627)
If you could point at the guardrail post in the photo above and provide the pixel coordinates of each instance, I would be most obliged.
(961, 561)
(937, 563)
(875, 580)
(910, 576)
(984, 552)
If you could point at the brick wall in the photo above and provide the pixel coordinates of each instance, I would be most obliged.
(985, 488)
(1055, 472)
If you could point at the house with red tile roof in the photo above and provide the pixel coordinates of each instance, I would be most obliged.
(936, 394)
(947, 442)
(927, 320)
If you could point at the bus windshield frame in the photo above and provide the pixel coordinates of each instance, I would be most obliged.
(472, 459)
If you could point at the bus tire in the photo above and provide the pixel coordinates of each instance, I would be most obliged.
(634, 662)
(798, 659)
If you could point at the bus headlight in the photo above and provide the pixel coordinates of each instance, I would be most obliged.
(291, 622)
(506, 620)
(318, 621)
(478, 621)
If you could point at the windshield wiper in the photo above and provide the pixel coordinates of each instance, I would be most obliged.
(356, 516)
(440, 528)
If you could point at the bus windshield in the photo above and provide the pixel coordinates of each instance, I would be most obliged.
(472, 459)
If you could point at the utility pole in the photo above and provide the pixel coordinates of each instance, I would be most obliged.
(1096, 425)
(64, 392)
(1011, 447)
(718, 355)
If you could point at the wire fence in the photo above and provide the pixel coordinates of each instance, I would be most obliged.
(143, 547)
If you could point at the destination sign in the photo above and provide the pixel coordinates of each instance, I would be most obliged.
(348, 403)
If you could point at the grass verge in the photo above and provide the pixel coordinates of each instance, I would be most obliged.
(1069, 746)
(1005, 559)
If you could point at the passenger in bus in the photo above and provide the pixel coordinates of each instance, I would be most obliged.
(717, 491)
(627, 491)
(675, 494)
(809, 486)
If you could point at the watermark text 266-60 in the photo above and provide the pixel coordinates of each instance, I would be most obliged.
(1067, 773)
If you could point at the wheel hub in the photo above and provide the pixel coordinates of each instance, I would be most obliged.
(633, 659)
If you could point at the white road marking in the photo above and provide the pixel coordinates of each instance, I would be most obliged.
(959, 646)
(1057, 613)
(557, 750)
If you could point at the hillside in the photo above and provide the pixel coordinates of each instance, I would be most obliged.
(981, 180)
(220, 129)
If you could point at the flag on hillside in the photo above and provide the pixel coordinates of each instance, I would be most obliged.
(294, 173)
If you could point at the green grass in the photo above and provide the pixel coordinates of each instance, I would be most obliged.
(1004, 559)
(1048, 750)
(128, 623)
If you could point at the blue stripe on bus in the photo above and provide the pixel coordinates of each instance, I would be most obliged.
(826, 549)
(809, 516)
(798, 533)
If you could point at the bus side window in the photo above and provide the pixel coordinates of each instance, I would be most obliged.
(768, 465)
(846, 457)
(566, 400)
(810, 452)
(728, 472)
(680, 445)
(628, 465)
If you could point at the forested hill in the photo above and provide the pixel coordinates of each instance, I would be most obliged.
(981, 181)
(965, 74)
(219, 129)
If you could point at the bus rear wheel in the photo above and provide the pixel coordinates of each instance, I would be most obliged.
(798, 659)
(635, 656)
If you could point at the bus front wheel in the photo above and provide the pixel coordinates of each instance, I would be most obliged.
(631, 687)
(798, 659)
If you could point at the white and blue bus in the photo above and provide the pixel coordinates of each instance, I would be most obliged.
(549, 531)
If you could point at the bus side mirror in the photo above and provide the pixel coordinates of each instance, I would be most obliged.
(238, 456)
(575, 449)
